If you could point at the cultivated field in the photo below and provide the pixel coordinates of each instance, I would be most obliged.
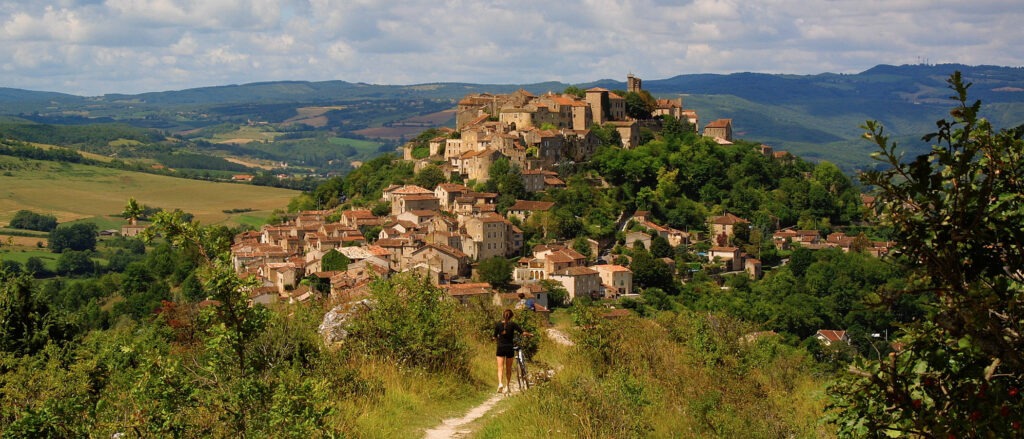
(77, 192)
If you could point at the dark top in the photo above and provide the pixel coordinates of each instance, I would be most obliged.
(505, 334)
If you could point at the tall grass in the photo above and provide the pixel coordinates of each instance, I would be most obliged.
(681, 375)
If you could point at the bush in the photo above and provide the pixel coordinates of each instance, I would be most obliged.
(28, 220)
(411, 323)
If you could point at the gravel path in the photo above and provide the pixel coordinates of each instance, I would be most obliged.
(458, 427)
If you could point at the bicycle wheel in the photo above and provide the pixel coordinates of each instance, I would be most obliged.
(524, 381)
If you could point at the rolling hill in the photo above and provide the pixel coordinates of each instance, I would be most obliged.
(815, 116)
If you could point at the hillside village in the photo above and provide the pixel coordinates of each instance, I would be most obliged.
(446, 232)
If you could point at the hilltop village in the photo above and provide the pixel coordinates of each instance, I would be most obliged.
(446, 232)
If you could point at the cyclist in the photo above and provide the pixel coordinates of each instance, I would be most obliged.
(504, 333)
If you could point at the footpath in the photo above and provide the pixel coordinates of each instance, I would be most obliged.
(460, 427)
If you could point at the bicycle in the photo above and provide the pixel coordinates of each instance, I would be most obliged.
(522, 376)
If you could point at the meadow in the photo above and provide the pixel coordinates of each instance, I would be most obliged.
(73, 192)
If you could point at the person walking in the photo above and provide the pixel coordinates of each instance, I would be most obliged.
(504, 333)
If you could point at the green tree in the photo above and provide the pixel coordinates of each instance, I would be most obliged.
(429, 177)
(25, 219)
(497, 271)
(575, 91)
(410, 323)
(132, 211)
(639, 105)
(956, 213)
(334, 261)
(35, 265)
(26, 322)
(78, 237)
(75, 263)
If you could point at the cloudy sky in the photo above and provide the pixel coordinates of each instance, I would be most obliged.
(92, 47)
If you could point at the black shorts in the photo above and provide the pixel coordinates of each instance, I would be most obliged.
(506, 351)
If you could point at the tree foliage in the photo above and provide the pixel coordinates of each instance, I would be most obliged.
(496, 270)
(410, 323)
(77, 237)
(956, 214)
(333, 260)
(26, 219)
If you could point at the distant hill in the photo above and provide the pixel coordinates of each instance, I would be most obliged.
(815, 116)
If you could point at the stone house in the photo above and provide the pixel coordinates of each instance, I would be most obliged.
(719, 129)
(487, 236)
(728, 255)
(450, 262)
(406, 203)
(617, 280)
(579, 281)
(523, 209)
(725, 226)
(643, 238)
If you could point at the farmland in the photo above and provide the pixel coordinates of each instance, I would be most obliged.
(73, 192)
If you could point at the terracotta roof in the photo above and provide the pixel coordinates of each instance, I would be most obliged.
(832, 334)
(453, 187)
(447, 249)
(553, 181)
(532, 205)
(576, 271)
(724, 249)
(613, 268)
(358, 214)
(719, 123)
(468, 289)
(420, 197)
(728, 219)
(412, 189)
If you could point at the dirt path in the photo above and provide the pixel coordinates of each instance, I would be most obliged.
(559, 337)
(459, 427)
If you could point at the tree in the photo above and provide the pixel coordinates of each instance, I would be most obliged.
(334, 261)
(575, 91)
(660, 247)
(26, 324)
(497, 271)
(132, 211)
(409, 323)
(35, 266)
(638, 106)
(429, 177)
(25, 219)
(78, 237)
(75, 263)
(956, 213)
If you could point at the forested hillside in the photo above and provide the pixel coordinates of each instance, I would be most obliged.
(815, 116)
(160, 336)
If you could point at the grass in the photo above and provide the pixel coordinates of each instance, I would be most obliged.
(74, 192)
(415, 400)
(362, 146)
(22, 254)
(674, 377)
(246, 133)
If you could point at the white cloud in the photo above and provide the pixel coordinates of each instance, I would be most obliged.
(100, 46)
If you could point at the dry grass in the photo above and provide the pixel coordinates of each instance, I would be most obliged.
(75, 192)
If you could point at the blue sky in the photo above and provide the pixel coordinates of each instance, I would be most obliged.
(92, 47)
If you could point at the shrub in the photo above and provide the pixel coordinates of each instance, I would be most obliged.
(28, 220)
(411, 323)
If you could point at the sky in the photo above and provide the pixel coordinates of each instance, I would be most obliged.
(94, 47)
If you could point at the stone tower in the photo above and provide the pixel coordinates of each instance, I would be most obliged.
(633, 84)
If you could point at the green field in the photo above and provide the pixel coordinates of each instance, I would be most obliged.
(363, 146)
(74, 192)
(21, 256)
